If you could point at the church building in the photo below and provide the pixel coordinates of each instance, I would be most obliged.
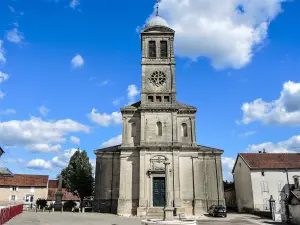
(159, 138)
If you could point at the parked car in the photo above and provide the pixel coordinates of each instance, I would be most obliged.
(217, 210)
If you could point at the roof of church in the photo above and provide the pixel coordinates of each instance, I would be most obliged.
(108, 149)
(178, 105)
(156, 21)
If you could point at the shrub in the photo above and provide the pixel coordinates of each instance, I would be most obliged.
(69, 205)
(41, 203)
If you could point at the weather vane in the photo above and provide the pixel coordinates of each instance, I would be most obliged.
(157, 7)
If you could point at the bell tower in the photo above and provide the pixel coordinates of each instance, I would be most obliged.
(158, 64)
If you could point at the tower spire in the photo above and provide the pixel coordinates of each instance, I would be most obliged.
(157, 7)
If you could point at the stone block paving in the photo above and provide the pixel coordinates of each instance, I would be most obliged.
(57, 218)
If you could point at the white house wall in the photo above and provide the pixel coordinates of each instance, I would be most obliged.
(243, 187)
(276, 182)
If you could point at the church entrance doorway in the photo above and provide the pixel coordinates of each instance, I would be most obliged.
(158, 191)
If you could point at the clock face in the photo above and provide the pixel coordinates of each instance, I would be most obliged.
(158, 78)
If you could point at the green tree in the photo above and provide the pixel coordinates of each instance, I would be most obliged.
(78, 176)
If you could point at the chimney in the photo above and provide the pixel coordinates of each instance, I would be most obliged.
(297, 181)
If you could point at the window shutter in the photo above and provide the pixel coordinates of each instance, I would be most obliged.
(9, 198)
(16, 198)
(262, 186)
(17, 188)
(10, 188)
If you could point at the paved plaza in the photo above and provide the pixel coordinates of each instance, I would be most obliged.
(44, 218)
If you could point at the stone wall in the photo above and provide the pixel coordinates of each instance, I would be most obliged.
(107, 183)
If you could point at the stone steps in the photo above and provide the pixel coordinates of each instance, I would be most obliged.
(155, 213)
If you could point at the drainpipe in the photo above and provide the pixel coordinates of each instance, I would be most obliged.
(217, 179)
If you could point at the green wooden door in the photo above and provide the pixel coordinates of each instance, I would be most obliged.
(158, 191)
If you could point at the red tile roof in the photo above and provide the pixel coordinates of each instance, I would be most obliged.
(272, 160)
(66, 195)
(25, 180)
(53, 184)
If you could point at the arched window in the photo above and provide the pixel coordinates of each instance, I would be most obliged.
(152, 49)
(184, 131)
(159, 128)
(163, 49)
(133, 130)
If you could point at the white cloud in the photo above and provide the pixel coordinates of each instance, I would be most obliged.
(62, 159)
(44, 148)
(283, 111)
(19, 161)
(2, 94)
(104, 83)
(112, 142)
(43, 110)
(77, 61)
(7, 112)
(3, 77)
(248, 133)
(15, 36)
(290, 145)
(225, 31)
(104, 119)
(116, 102)
(39, 164)
(227, 165)
(74, 140)
(2, 57)
(132, 92)
(74, 4)
(37, 131)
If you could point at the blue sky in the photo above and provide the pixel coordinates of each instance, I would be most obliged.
(67, 67)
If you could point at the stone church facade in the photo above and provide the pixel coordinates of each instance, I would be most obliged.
(130, 178)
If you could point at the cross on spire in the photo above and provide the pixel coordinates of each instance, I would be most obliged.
(157, 7)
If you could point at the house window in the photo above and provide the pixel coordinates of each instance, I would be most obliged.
(264, 186)
(184, 131)
(163, 49)
(152, 49)
(29, 198)
(158, 98)
(150, 99)
(263, 173)
(13, 198)
(14, 188)
(159, 129)
(133, 130)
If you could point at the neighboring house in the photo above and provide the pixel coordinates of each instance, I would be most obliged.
(23, 188)
(67, 196)
(230, 198)
(294, 202)
(257, 176)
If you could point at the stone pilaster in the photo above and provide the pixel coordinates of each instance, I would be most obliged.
(168, 210)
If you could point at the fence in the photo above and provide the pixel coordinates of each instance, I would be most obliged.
(7, 213)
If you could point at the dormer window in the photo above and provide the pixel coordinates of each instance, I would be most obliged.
(152, 49)
(164, 49)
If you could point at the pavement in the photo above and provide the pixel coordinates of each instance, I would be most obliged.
(66, 218)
